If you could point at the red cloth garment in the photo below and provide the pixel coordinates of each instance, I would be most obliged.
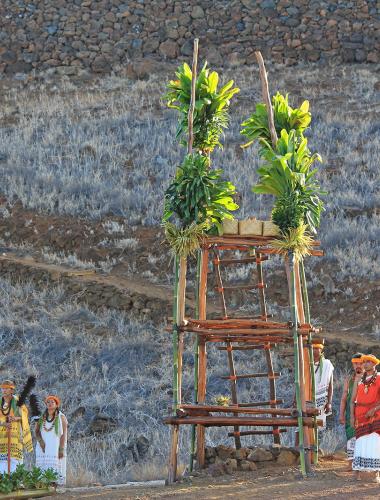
(367, 397)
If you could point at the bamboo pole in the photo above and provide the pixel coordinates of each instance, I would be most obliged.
(196, 359)
(180, 319)
(293, 308)
(304, 366)
(175, 336)
(190, 150)
(202, 356)
(266, 97)
(311, 355)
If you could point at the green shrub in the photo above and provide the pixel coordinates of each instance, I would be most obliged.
(23, 479)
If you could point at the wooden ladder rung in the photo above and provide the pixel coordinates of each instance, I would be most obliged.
(242, 347)
(252, 375)
(261, 403)
(259, 316)
(241, 287)
(255, 433)
(246, 260)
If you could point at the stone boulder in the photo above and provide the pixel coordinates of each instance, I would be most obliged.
(169, 49)
(216, 470)
(224, 452)
(287, 457)
(260, 455)
(230, 465)
(246, 465)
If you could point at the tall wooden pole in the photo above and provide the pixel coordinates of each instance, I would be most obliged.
(266, 97)
(180, 297)
(311, 356)
(305, 376)
(196, 358)
(180, 319)
(293, 308)
(172, 466)
(202, 380)
(175, 336)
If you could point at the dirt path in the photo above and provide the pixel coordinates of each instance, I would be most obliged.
(136, 286)
(330, 481)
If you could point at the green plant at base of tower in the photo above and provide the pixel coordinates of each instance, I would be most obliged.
(211, 106)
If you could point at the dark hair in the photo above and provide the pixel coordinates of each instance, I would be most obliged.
(357, 355)
(46, 413)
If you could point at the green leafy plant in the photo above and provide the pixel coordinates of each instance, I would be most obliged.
(211, 106)
(23, 479)
(286, 172)
(285, 118)
(197, 194)
(287, 175)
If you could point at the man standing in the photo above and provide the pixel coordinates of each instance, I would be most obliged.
(323, 369)
(14, 429)
(345, 404)
(366, 411)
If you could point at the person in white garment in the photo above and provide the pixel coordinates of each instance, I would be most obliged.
(51, 434)
(323, 369)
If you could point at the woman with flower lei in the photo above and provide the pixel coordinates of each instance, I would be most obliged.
(15, 436)
(366, 419)
(51, 434)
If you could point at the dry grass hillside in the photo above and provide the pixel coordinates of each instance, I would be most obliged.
(84, 166)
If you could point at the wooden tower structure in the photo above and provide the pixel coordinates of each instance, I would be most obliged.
(234, 333)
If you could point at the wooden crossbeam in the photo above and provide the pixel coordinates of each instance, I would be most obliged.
(213, 421)
(240, 287)
(251, 375)
(241, 331)
(244, 347)
(246, 260)
(243, 322)
(257, 433)
(246, 338)
(188, 410)
(262, 403)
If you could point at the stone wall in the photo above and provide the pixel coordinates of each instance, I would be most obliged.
(105, 35)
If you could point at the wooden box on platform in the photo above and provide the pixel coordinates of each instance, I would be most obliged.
(270, 229)
(230, 226)
(251, 227)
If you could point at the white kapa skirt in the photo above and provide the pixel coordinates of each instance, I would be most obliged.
(367, 453)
